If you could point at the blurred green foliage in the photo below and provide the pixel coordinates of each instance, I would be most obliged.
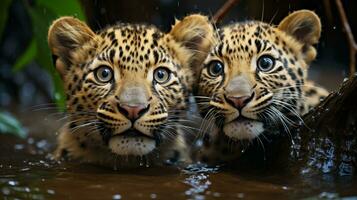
(42, 13)
(10, 125)
(4, 7)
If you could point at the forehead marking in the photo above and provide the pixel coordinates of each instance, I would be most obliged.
(133, 44)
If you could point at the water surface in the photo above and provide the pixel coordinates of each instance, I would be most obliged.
(27, 172)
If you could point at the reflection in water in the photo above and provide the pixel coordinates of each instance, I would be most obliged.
(324, 156)
(13, 189)
(199, 184)
(27, 172)
(198, 181)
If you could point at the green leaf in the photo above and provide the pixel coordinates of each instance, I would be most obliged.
(43, 17)
(42, 14)
(4, 6)
(28, 56)
(10, 125)
(63, 7)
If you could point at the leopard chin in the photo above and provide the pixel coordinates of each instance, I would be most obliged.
(243, 129)
(135, 146)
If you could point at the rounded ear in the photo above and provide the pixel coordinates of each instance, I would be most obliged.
(65, 35)
(196, 33)
(305, 26)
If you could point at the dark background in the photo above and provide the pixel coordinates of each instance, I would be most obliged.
(33, 85)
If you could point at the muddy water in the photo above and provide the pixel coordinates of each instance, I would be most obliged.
(27, 172)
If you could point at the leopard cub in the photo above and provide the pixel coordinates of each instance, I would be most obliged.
(254, 80)
(127, 87)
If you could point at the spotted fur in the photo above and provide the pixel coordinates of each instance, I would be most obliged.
(254, 80)
(119, 105)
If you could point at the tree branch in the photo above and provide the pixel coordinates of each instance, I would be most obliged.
(224, 10)
(350, 37)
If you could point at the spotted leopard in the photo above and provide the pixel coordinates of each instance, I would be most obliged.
(254, 80)
(127, 88)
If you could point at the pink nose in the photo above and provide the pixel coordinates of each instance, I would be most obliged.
(239, 102)
(133, 112)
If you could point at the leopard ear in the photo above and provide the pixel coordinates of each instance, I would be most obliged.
(196, 33)
(65, 35)
(305, 26)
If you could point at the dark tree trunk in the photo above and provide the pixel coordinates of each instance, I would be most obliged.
(328, 141)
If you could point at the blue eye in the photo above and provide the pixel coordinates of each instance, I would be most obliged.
(162, 75)
(265, 63)
(104, 74)
(215, 68)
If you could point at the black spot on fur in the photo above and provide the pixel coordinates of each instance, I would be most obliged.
(258, 44)
(300, 72)
(292, 74)
(156, 56)
(311, 92)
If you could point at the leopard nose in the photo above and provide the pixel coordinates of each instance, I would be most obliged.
(239, 102)
(133, 112)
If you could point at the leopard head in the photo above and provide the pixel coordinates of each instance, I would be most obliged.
(254, 74)
(125, 84)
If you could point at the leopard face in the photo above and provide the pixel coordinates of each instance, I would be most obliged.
(255, 76)
(127, 84)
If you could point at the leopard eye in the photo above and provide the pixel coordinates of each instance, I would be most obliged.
(215, 68)
(162, 75)
(104, 74)
(265, 63)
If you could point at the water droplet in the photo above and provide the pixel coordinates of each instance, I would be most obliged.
(141, 163)
(345, 79)
(30, 140)
(199, 143)
(49, 191)
(240, 195)
(284, 187)
(328, 195)
(41, 144)
(153, 196)
(216, 194)
(334, 27)
(12, 183)
(305, 171)
(19, 146)
(116, 196)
